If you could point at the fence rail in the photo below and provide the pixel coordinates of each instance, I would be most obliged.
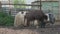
(21, 4)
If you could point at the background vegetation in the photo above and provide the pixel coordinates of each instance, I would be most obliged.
(19, 2)
(6, 20)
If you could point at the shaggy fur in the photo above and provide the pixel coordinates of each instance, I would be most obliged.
(19, 19)
(35, 15)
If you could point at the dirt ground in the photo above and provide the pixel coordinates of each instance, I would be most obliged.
(48, 30)
(30, 31)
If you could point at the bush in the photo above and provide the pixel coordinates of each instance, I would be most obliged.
(6, 20)
(3, 14)
(9, 20)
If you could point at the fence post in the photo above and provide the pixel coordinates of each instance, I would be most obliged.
(0, 4)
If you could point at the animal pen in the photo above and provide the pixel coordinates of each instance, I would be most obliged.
(7, 15)
(14, 11)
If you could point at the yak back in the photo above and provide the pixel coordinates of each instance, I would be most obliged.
(37, 14)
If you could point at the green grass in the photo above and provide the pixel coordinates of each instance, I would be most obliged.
(6, 20)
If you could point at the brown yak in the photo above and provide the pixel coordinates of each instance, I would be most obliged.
(36, 15)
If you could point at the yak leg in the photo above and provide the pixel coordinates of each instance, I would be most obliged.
(43, 24)
(31, 23)
(28, 22)
(25, 22)
(36, 23)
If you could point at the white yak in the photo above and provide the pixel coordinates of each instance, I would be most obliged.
(19, 19)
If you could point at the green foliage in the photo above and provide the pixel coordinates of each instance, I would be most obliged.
(9, 21)
(6, 20)
(2, 14)
(19, 2)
